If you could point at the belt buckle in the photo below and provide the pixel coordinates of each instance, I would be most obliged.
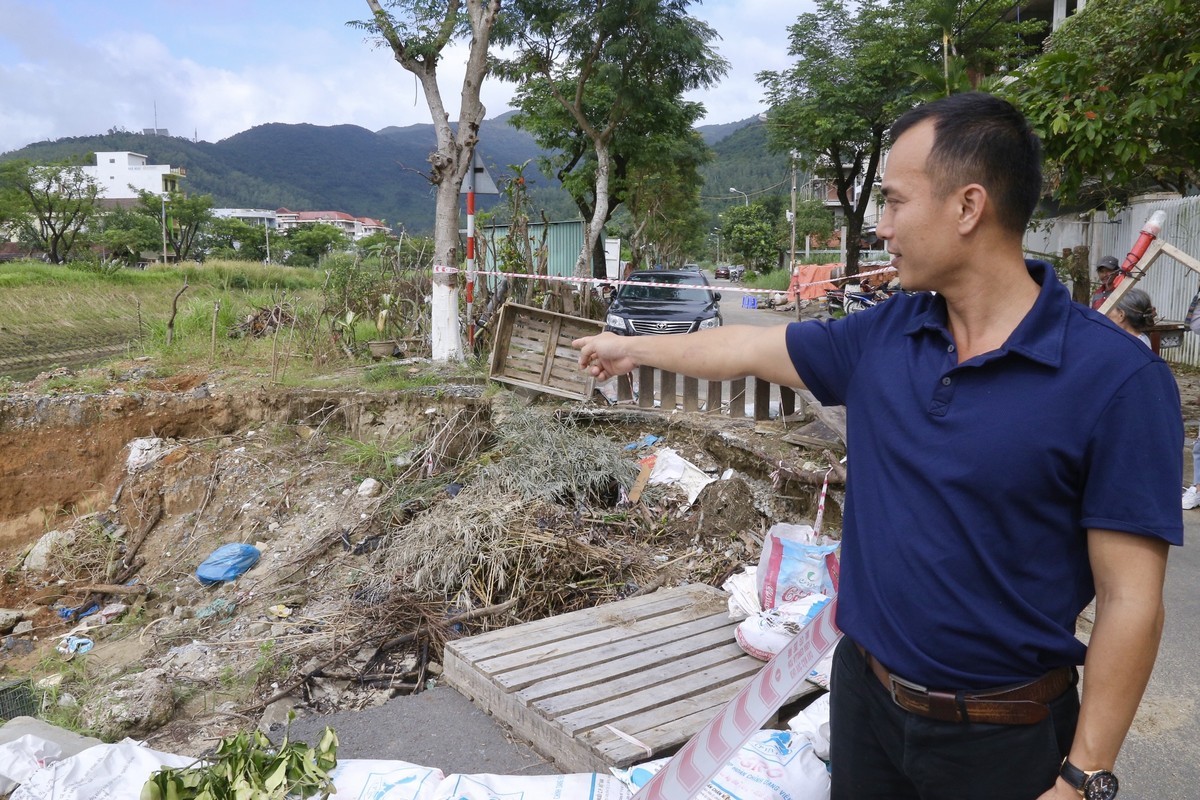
(912, 687)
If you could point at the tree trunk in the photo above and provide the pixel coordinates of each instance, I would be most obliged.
(592, 229)
(453, 157)
(447, 344)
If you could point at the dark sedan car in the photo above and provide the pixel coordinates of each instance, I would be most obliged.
(685, 304)
(721, 271)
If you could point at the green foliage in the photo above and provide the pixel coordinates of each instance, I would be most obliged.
(313, 242)
(185, 216)
(248, 767)
(49, 205)
(616, 78)
(749, 236)
(1114, 99)
(128, 235)
(853, 77)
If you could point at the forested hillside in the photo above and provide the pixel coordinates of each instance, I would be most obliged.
(379, 174)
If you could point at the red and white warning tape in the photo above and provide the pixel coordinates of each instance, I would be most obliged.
(441, 268)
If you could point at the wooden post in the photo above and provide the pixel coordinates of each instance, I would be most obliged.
(762, 399)
(624, 388)
(691, 393)
(668, 390)
(737, 398)
(712, 397)
(645, 387)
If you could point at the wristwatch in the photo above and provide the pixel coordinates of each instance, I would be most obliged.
(1098, 785)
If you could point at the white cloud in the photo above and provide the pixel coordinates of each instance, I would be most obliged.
(83, 69)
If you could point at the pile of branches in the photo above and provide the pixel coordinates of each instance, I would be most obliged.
(264, 321)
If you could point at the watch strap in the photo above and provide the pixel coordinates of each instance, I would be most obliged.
(1072, 775)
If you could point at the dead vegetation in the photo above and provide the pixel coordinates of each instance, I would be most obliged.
(488, 514)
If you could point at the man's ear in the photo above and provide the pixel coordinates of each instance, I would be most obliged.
(973, 200)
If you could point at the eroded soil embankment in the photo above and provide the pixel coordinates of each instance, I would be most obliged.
(66, 453)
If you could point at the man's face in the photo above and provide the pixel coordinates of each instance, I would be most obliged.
(918, 225)
(1105, 275)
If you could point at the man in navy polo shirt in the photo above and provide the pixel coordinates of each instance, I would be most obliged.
(1012, 455)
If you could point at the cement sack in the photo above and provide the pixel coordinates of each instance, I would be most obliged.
(772, 765)
(579, 786)
(370, 779)
(104, 772)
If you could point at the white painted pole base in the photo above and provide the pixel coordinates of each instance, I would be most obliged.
(447, 344)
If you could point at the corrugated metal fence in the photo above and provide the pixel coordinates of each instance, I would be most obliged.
(1169, 283)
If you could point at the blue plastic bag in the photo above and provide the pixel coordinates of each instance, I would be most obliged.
(227, 562)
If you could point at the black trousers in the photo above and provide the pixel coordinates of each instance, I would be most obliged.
(879, 751)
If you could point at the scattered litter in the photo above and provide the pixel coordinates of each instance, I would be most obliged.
(74, 644)
(78, 613)
(743, 593)
(279, 611)
(144, 452)
(219, 607)
(112, 611)
(227, 562)
(672, 468)
(646, 441)
(813, 724)
(453, 489)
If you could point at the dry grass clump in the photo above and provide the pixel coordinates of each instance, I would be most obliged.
(546, 459)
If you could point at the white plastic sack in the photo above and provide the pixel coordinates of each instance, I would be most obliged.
(764, 634)
(772, 765)
(370, 779)
(813, 724)
(792, 564)
(579, 786)
(22, 757)
(104, 772)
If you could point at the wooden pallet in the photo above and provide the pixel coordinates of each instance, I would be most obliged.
(533, 350)
(655, 668)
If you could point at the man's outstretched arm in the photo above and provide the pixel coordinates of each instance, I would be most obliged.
(732, 351)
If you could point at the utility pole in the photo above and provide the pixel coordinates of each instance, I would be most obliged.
(267, 236)
(163, 197)
(792, 261)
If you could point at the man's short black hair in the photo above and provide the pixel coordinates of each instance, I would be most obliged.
(980, 138)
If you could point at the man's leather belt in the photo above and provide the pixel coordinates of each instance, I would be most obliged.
(1019, 704)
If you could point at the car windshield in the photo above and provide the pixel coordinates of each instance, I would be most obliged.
(690, 288)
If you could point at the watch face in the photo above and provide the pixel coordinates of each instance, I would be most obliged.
(1100, 786)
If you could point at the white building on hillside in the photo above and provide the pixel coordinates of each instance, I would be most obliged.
(121, 175)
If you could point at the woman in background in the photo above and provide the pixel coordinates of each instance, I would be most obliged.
(1134, 313)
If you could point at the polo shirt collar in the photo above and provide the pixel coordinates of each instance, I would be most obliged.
(1040, 335)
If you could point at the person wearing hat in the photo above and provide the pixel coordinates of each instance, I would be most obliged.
(1107, 271)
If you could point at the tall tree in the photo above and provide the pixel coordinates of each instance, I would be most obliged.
(663, 198)
(749, 236)
(1114, 99)
(50, 205)
(417, 31)
(834, 106)
(183, 220)
(854, 75)
(615, 68)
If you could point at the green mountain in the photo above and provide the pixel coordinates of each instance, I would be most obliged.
(373, 174)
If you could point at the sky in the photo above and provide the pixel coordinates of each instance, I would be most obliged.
(209, 69)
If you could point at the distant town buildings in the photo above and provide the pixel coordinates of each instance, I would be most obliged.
(354, 227)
